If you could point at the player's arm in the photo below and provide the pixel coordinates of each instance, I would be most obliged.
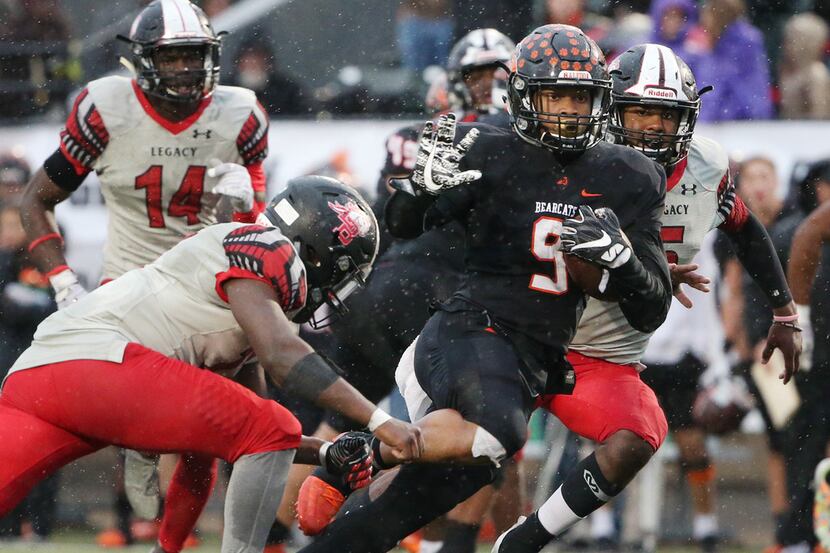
(757, 254)
(292, 364)
(244, 184)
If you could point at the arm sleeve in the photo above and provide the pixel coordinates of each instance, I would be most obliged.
(61, 171)
(643, 284)
(85, 136)
(756, 251)
(252, 142)
(263, 254)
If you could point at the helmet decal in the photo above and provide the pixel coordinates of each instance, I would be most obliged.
(354, 222)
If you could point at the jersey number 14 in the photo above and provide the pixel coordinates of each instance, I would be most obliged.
(186, 202)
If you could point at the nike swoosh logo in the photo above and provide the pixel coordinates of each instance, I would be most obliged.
(585, 194)
(600, 242)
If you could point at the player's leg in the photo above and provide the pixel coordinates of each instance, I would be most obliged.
(466, 373)
(32, 448)
(700, 476)
(189, 490)
(612, 406)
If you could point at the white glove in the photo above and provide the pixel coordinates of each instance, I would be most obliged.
(141, 483)
(436, 167)
(67, 288)
(805, 362)
(234, 182)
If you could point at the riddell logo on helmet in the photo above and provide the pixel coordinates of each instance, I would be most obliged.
(574, 75)
(652, 92)
(354, 222)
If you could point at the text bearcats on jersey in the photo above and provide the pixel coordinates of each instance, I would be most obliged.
(557, 208)
(172, 151)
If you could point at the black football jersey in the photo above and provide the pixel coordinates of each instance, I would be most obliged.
(513, 217)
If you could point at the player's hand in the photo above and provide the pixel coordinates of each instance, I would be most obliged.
(350, 456)
(436, 167)
(685, 274)
(596, 237)
(67, 288)
(787, 338)
(235, 183)
(403, 438)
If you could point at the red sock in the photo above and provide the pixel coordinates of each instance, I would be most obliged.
(186, 498)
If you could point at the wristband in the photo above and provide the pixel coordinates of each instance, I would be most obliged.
(785, 318)
(379, 417)
(323, 450)
(45, 238)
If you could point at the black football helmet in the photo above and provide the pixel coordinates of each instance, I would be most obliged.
(167, 24)
(556, 56)
(653, 75)
(478, 48)
(336, 235)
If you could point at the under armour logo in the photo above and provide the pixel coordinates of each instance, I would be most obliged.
(197, 133)
(688, 188)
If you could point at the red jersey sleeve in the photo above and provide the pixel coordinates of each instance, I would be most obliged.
(731, 208)
(252, 142)
(264, 254)
(85, 136)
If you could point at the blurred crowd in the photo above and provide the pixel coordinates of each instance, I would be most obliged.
(765, 58)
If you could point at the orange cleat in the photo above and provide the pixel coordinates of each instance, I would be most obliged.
(192, 541)
(317, 505)
(111, 538)
(274, 548)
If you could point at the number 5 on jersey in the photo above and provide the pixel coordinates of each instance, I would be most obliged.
(545, 247)
(186, 202)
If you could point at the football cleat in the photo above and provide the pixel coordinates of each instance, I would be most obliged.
(497, 547)
(821, 504)
(317, 503)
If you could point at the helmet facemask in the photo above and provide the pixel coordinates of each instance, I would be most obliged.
(557, 131)
(185, 86)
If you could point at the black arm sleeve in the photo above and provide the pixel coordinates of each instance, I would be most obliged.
(643, 283)
(61, 171)
(404, 214)
(756, 251)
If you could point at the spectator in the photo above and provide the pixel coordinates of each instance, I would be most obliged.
(25, 300)
(424, 32)
(278, 92)
(672, 20)
(511, 17)
(213, 8)
(573, 12)
(803, 78)
(729, 54)
(14, 174)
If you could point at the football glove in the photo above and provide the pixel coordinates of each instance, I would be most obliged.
(141, 483)
(350, 457)
(67, 288)
(235, 183)
(436, 167)
(596, 237)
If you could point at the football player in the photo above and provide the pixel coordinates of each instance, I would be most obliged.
(654, 107)
(166, 145)
(141, 361)
(525, 198)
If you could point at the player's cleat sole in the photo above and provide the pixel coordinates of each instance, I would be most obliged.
(317, 505)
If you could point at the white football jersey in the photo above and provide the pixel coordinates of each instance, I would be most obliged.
(176, 305)
(700, 196)
(153, 171)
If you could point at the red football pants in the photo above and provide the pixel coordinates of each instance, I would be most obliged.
(56, 413)
(608, 398)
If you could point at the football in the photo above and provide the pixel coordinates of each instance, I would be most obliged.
(586, 276)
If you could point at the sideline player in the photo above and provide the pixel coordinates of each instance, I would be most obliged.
(654, 108)
(166, 145)
(387, 315)
(140, 362)
(525, 198)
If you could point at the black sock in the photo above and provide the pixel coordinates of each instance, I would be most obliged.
(460, 538)
(527, 536)
(586, 489)
(418, 494)
(278, 534)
